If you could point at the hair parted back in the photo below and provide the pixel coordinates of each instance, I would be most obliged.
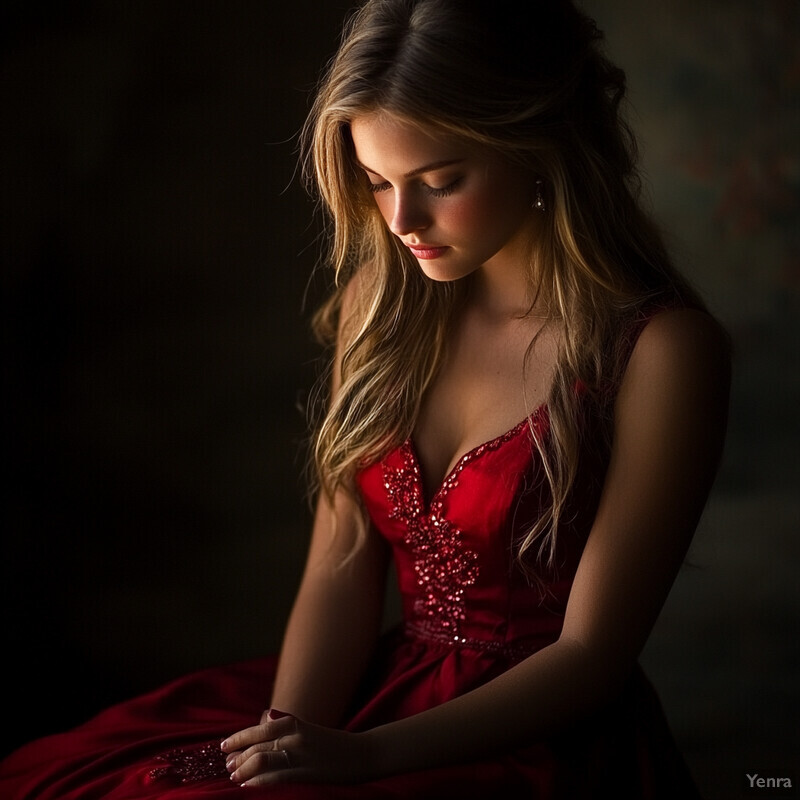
(529, 81)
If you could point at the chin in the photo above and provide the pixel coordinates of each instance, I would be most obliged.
(441, 273)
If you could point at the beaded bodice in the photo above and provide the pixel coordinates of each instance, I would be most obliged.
(443, 565)
(456, 555)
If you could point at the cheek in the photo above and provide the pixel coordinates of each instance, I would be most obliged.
(503, 208)
(484, 214)
(467, 215)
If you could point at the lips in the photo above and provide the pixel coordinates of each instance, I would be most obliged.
(427, 251)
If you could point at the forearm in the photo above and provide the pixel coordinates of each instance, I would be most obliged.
(329, 638)
(535, 699)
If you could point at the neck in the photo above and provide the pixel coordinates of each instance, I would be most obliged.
(504, 293)
(504, 288)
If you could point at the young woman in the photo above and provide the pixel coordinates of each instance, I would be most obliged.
(527, 410)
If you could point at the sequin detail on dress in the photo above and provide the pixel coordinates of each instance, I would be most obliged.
(444, 566)
(192, 764)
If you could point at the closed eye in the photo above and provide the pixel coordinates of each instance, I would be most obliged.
(444, 191)
(434, 191)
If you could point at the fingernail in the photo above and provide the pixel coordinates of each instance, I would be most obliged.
(275, 714)
(223, 745)
(229, 763)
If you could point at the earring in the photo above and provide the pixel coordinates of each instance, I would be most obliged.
(538, 203)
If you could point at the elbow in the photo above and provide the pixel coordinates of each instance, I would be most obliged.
(599, 674)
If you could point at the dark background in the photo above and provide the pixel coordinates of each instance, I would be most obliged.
(157, 254)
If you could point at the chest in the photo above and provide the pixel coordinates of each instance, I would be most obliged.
(490, 380)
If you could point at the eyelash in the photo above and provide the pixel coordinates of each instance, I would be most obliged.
(434, 192)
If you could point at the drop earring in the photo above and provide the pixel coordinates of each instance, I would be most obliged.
(538, 203)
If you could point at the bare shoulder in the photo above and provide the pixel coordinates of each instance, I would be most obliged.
(674, 394)
(685, 333)
(681, 350)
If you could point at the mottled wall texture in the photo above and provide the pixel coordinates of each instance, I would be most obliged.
(157, 260)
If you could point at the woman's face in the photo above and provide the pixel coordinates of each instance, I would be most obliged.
(457, 207)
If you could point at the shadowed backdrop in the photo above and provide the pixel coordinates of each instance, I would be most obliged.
(157, 261)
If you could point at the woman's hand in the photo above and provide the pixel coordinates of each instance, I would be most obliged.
(282, 748)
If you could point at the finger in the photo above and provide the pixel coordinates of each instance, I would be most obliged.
(238, 758)
(260, 763)
(272, 714)
(232, 760)
(265, 732)
(243, 739)
(235, 759)
(257, 734)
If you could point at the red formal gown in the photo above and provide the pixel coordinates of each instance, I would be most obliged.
(469, 614)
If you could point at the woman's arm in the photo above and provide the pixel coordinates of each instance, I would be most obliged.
(335, 619)
(670, 421)
(336, 616)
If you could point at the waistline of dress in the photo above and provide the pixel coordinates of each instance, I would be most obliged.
(515, 651)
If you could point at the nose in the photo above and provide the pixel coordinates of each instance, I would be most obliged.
(408, 215)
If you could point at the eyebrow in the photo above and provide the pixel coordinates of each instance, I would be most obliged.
(419, 170)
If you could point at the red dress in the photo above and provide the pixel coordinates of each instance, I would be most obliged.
(469, 615)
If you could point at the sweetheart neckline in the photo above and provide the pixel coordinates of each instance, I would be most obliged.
(442, 486)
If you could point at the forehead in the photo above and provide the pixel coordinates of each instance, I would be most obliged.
(388, 144)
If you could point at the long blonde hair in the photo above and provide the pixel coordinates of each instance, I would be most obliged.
(534, 86)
